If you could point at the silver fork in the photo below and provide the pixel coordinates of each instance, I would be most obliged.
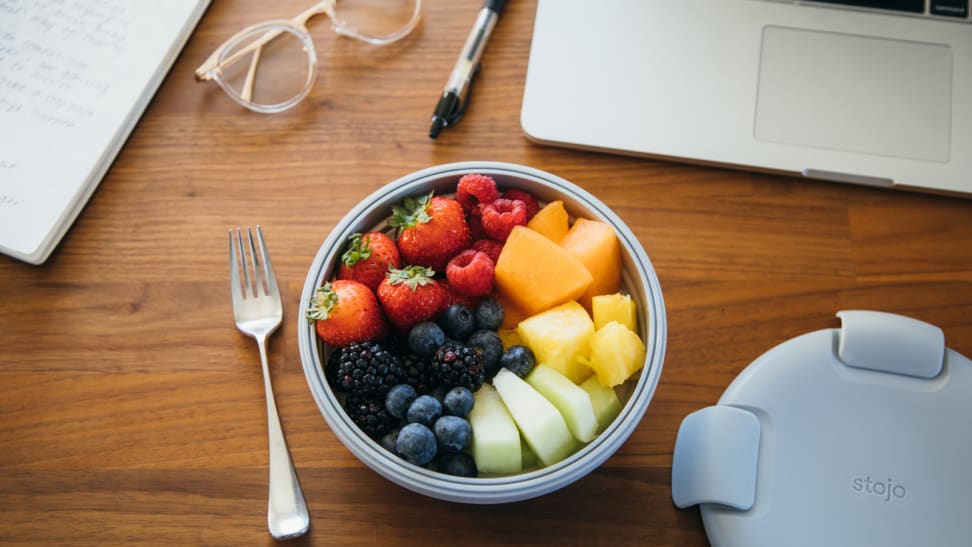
(258, 312)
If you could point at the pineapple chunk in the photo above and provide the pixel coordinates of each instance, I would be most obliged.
(614, 307)
(560, 338)
(509, 337)
(616, 354)
(496, 440)
(605, 401)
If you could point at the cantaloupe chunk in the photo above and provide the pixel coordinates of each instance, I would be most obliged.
(551, 221)
(596, 245)
(536, 274)
(512, 315)
(614, 307)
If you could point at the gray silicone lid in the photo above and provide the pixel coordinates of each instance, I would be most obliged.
(854, 436)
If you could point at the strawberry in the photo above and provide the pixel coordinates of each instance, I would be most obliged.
(470, 273)
(346, 311)
(432, 230)
(410, 295)
(368, 258)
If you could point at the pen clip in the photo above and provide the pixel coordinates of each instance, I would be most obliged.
(460, 109)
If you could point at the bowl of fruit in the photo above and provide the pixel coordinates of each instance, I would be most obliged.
(482, 332)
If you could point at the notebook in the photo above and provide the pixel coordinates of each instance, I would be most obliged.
(851, 93)
(74, 79)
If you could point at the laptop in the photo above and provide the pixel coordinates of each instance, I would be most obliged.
(873, 92)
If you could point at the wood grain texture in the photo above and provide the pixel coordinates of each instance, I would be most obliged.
(132, 408)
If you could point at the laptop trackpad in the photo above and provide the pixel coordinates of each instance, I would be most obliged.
(855, 93)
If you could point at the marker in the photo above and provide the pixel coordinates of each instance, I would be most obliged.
(452, 103)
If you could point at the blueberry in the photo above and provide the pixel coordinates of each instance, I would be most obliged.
(452, 433)
(416, 443)
(519, 359)
(457, 463)
(459, 401)
(424, 410)
(399, 398)
(492, 347)
(388, 441)
(457, 321)
(425, 338)
(489, 315)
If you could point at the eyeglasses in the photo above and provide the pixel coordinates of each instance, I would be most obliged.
(282, 62)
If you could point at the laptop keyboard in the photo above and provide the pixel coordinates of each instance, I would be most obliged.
(950, 9)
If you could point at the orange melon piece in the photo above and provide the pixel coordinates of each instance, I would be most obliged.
(551, 221)
(512, 315)
(536, 274)
(596, 245)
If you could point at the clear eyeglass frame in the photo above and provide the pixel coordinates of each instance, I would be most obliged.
(212, 68)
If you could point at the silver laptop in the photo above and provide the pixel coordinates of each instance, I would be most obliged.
(875, 92)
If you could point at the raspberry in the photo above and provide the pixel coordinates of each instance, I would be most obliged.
(501, 215)
(470, 273)
(532, 206)
(475, 225)
(490, 247)
(474, 189)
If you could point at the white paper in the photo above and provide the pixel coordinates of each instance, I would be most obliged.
(74, 76)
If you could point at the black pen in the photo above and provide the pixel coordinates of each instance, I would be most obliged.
(452, 103)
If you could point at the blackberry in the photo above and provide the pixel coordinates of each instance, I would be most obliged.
(366, 368)
(456, 364)
(370, 415)
(418, 371)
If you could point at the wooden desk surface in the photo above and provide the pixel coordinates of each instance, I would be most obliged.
(132, 409)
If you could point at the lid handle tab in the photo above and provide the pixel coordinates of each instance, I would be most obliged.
(892, 343)
(715, 458)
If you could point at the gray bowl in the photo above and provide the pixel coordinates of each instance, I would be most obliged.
(638, 280)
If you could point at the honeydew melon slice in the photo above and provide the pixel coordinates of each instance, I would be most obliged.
(541, 424)
(573, 402)
(495, 440)
(605, 401)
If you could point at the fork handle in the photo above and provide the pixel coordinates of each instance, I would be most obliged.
(287, 515)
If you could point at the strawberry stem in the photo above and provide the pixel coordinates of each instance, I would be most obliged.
(358, 250)
(322, 303)
(413, 276)
(413, 212)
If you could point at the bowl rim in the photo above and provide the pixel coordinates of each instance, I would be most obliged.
(499, 489)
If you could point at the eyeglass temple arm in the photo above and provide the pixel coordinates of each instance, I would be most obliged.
(204, 72)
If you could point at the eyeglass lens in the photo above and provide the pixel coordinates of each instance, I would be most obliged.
(269, 65)
(376, 19)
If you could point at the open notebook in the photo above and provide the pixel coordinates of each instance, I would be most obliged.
(74, 79)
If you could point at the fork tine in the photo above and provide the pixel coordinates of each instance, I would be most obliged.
(234, 270)
(247, 286)
(267, 265)
(254, 265)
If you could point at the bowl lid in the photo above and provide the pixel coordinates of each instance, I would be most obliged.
(850, 436)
